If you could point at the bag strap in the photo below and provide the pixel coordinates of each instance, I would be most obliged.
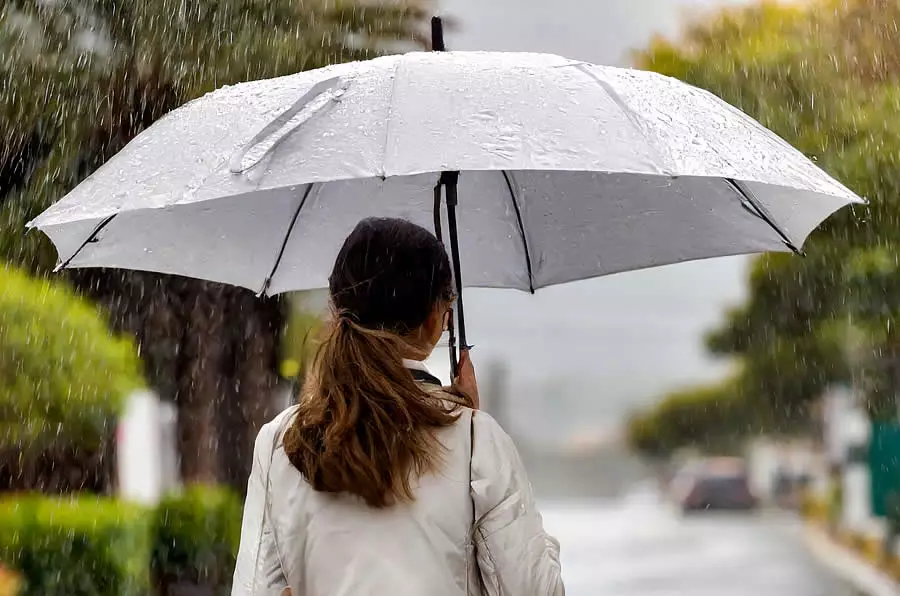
(473, 553)
(471, 454)
(279, 432)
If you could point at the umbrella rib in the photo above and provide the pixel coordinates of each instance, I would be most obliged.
(284, 243)
(515, 203)
(389, 119)
(759, 210)
(91, 238)
(657, 159)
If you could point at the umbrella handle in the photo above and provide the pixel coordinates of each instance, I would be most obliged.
(449, 183)
(322, 95)
(439, 232)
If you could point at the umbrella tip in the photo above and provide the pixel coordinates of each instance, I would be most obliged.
(795, 249)
(437, 34)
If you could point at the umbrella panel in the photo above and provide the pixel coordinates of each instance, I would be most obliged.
(576, 225)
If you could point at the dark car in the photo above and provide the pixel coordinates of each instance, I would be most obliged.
(719, 485)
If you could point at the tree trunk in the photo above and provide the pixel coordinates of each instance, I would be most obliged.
(199, 379)
(211, 349)
(253, 362)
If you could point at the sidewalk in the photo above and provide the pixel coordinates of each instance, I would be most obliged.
(849, 566)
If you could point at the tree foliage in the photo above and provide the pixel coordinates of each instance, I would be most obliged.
(81, 79)
(823, 75)
(78, 80)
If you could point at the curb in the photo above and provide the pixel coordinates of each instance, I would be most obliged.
(848, 566)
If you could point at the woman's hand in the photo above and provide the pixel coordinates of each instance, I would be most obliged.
(465, 379)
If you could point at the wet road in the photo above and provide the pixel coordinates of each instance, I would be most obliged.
(640, 546)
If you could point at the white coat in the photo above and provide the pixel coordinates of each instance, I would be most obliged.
(472, 529)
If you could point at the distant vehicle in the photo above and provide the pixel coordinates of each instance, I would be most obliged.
(714, 484)
(788, 489)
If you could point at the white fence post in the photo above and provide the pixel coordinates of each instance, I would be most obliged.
(146, 449)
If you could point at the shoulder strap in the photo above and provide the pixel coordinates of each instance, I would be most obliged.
(473, 572)
(471, 455)
(279, 432)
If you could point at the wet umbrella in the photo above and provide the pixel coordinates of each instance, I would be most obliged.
(549, 170)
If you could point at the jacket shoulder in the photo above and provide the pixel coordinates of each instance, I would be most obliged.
(270, 433)
(488, 432)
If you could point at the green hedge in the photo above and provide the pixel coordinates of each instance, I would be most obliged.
(64, 375)
(79, 547)
(102, 547)
(196, 538)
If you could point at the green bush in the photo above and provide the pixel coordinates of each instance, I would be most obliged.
(197, 534)
(79, 547)
(63, 375)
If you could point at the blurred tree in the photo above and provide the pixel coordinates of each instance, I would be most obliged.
(79, 80)
(823, 75)
(301, 340)
(714, 419)
(872, 279)
(63, 381)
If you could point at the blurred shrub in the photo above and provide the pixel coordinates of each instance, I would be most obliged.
(813, 507)
(196, 538)
(63, 380)
(101, 547)
(81, 547)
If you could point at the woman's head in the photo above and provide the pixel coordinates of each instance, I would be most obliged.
(394, 276)
(364, 426)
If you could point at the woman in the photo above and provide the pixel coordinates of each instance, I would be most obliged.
(381, 482)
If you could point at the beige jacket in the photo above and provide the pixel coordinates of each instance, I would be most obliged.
(470, 531)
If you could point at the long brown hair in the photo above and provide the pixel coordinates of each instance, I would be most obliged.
(364, 426)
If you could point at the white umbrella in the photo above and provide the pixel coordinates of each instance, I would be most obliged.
(566, 170)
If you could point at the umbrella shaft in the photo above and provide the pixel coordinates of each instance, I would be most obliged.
(450, 187)
(439, 232)
(448, 183)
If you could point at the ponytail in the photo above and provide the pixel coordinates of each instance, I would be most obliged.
(364, 426)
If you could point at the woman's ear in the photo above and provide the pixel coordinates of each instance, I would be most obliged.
(433, 326)
(435, 320)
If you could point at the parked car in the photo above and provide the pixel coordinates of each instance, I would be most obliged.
(715, 484)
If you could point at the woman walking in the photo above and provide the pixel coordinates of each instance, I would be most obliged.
(380, 481)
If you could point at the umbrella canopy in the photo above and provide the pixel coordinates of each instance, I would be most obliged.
(568, 170)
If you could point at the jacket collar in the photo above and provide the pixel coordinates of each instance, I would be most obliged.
(421, 373)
